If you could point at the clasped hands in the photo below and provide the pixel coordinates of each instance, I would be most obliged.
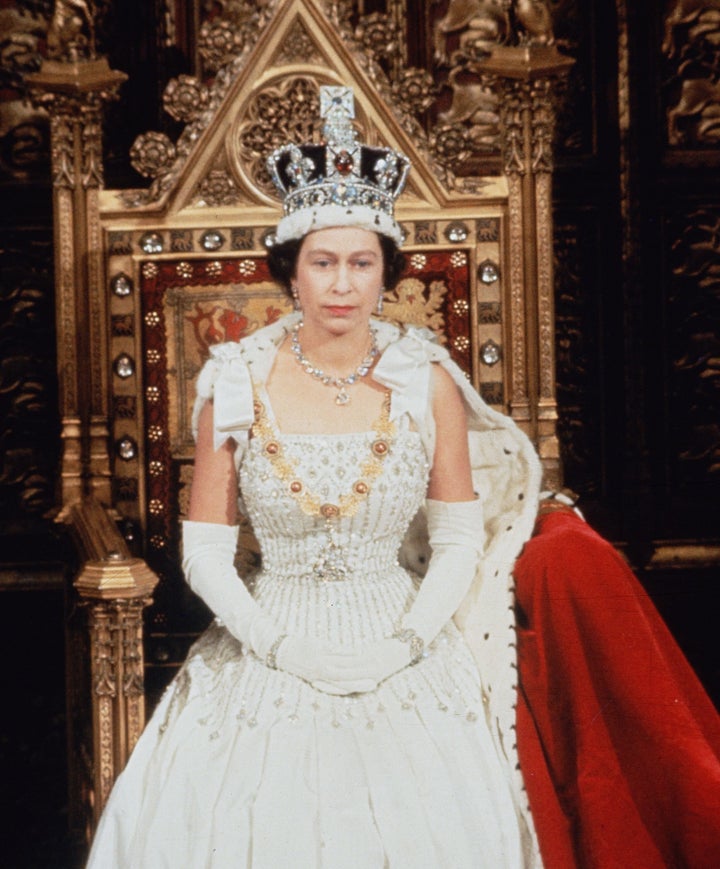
(330, 669)
(455, 532)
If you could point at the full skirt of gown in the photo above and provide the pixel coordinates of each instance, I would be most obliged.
(245, 766)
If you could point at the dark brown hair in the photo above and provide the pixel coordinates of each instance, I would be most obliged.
(282, 259)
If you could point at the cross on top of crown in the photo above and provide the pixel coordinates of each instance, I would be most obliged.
(337, 107)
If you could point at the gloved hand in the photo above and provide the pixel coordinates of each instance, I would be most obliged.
(327, 668)
(457, 537)
(365, 670)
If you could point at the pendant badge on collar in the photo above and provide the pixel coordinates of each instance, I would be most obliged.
(331, 564)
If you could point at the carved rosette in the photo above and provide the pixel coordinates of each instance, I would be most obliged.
(185, 98)
(450, 144)
(228, 34)
(378, 34)
(152, 154)
(280, 113)
(219, 41)
(217, 188)
(415, 91)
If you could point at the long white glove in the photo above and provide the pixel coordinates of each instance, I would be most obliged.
(457, 538)
(456, 532)
(208, 563)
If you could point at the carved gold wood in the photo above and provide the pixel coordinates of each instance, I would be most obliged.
(74, 92)
(114, 587)
(526, 79)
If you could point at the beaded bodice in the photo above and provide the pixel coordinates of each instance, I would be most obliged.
(292, 542)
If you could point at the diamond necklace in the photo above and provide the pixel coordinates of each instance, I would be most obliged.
(341, 383)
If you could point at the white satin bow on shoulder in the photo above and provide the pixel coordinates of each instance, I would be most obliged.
(226, 379)
(405, 368)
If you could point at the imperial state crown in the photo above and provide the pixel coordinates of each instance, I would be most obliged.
(340, 182)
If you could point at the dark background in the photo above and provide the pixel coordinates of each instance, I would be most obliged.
(637, 225)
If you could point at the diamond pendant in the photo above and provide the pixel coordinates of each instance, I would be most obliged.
(343, 397)
(331, 564)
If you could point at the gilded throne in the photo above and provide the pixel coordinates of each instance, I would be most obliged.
(148, 279)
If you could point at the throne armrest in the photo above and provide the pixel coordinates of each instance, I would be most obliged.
(109, 570)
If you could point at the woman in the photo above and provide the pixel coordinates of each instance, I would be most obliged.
(337, 716)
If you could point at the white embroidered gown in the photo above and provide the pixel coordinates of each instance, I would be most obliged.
(244, 766)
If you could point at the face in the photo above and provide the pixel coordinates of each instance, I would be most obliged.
(338, 275)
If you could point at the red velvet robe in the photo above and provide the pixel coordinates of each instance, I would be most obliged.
(618, 742)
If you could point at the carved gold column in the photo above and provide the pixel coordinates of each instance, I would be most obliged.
(525, 79)
(74, 93)
(115, 588)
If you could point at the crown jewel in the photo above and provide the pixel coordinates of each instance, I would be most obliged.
(341, 182)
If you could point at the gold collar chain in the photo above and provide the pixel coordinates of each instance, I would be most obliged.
(285, 468)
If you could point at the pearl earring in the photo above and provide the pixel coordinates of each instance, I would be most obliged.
(381, 299)
(296, 297)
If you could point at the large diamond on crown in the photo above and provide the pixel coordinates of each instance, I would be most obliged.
(336, 100)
